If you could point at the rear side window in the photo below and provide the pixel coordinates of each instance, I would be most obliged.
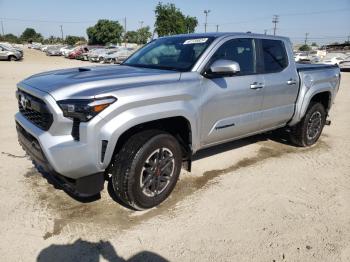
(239, 50)
(274, 55)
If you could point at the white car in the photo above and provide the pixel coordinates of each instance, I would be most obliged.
(345, 64)
(333, 59)
(64, 50)
(119, 56)
(300, 57)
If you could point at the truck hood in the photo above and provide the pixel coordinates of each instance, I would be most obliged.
(87, 82)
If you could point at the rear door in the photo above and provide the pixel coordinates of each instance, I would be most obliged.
(281, 83)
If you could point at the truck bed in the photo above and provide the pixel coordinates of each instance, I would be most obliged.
(305, 67)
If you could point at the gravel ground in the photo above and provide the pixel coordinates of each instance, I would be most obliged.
(257, 199)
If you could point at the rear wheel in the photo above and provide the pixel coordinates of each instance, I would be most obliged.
(309, 129)
(146, 169)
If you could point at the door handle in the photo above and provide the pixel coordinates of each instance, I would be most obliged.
(256, 85)
(291, 82)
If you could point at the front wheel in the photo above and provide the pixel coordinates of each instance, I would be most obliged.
(12, 58)
(309, 129)
(146, 169)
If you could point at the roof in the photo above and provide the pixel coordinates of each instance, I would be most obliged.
(225, 34)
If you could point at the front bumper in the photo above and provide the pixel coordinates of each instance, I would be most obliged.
(85, 186)
(66, 156)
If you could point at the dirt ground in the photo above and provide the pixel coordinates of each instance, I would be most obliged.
(257, 199)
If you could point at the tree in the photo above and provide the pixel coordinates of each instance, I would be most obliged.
(52, 40)
(72, 40)
(304, 48)
(314, 44)
(170, 20)
(131, 37)
(191, 23)
(11, 38)
(30, 35)
(143, 35)
(105, 31)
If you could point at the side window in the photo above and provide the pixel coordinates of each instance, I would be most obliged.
(274, 55)
(238, 50)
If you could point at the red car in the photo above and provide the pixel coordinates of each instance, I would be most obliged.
(77, 52)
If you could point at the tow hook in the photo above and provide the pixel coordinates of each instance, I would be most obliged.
(328, 122)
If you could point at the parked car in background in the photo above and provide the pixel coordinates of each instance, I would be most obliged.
(119, 56)
(9, 53)
(66, 49)
(345, 64)
(36, 46)
(77, 52)
(98, 54)
(12, 46)
(333, 59)
(300, 56)
(53, 51)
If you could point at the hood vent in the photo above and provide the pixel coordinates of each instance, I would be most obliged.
(83, 69)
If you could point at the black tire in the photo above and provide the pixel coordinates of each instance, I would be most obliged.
(12, 58)
(133, 164)
(309, 129)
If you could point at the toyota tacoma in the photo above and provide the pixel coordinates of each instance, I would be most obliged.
(140, 122)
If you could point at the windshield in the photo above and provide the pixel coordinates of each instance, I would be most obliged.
(172, 53)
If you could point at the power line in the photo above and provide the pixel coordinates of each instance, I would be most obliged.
(284, 14)
(48, 21)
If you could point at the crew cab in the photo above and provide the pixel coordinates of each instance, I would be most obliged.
(140, 122)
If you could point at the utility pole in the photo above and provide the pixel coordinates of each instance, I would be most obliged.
(306, 35)
(125, 31)
(206, 12)
(275, 22)
(61, 31)
(2, 28)
(265, 32)
(217, 28)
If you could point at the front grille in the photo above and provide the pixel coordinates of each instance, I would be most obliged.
(35, 110)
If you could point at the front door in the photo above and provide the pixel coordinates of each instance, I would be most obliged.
(232, 105)
(3, 53)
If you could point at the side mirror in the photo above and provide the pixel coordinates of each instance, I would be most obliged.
(224, 67)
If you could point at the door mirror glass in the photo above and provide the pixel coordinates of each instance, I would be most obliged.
(223, 67)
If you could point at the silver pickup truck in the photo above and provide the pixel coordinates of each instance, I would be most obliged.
(140, 122)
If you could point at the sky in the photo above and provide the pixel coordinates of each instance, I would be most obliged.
(325, 21)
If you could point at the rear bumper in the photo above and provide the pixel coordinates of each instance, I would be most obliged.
(84, 186)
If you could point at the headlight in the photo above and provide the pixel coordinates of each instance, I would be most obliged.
(84, 109)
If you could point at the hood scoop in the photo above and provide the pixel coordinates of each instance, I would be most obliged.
(84, 69)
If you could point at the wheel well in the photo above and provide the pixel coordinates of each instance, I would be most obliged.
(178, 126)
(324, 98)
